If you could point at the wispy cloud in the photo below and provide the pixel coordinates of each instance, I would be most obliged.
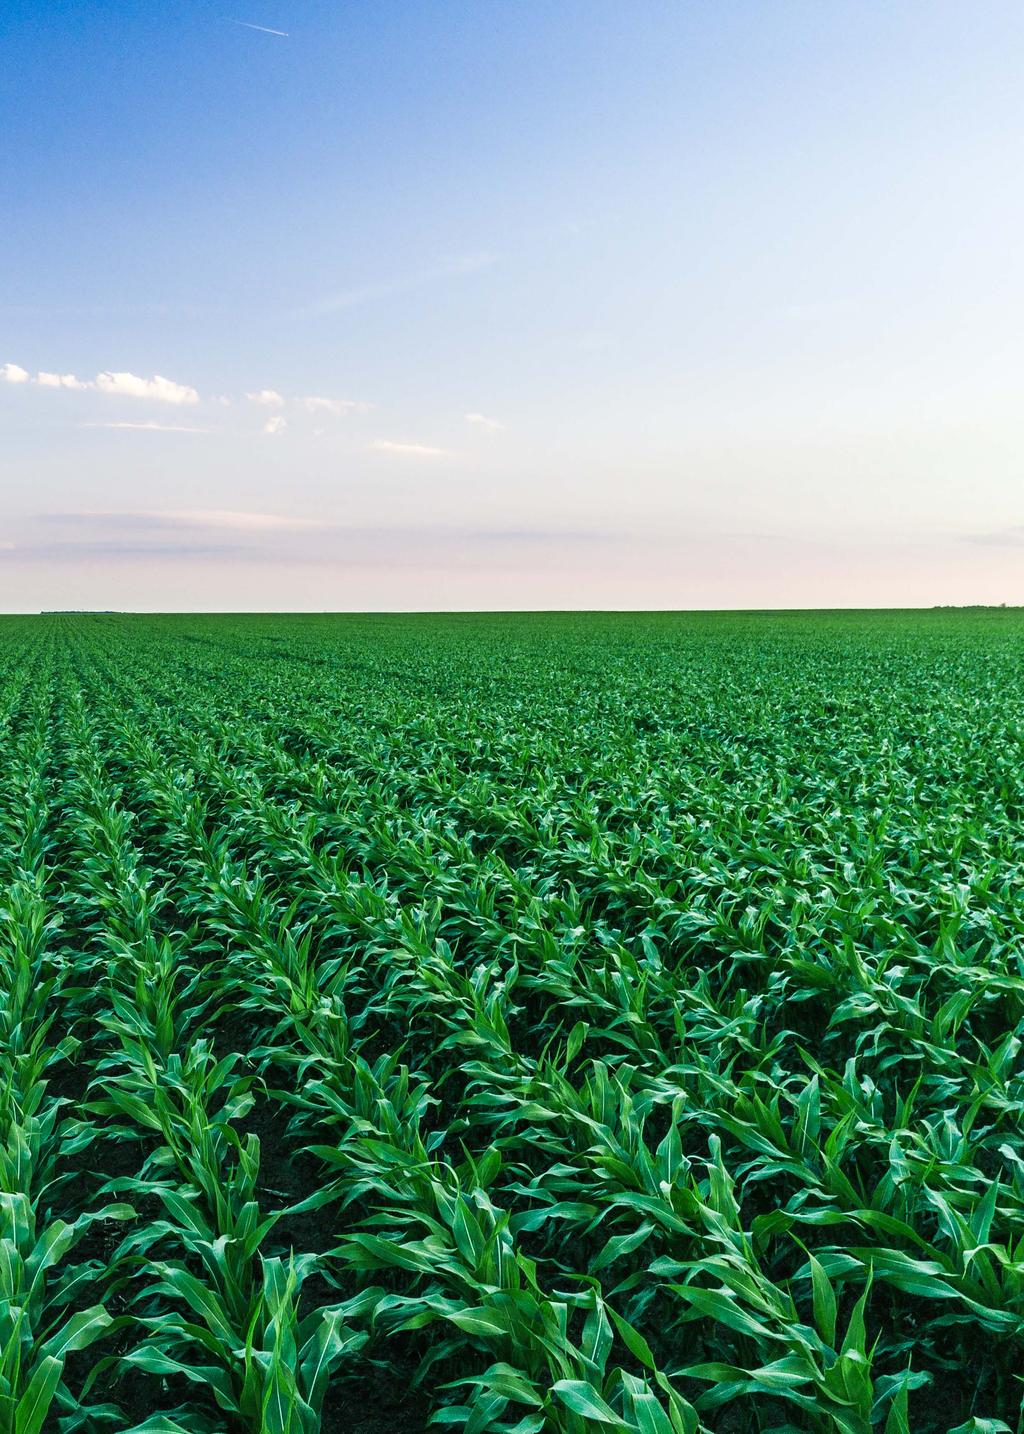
(233, 520)
(263, 29)
(208, 534)
(160, 534)
(238, 521)
(150, 427)
(122, 384)
(271, 398)
(401, 283)
(409, 450)
(110, 549)
(275, 425)
(482, 421)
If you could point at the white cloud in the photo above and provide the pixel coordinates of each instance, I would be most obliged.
(269, 397)
(162, 390)
(275, 425)
(239, 522)
(409, 450)
(338, 406)
(60, 380)
(150, 427)
(482, 421)
(163, 518)
(129, 385)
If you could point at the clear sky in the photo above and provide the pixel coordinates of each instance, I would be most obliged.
(553, 303)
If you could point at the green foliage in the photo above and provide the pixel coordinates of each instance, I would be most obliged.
(512, 1024)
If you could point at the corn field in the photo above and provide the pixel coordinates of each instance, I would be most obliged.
(512, 1023)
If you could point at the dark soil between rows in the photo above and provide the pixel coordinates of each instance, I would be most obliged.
(382, 1403)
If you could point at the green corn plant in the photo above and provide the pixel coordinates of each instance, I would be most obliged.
(267, 1366)
(39, 1325)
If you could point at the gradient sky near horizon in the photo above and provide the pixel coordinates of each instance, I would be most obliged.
(371, 304)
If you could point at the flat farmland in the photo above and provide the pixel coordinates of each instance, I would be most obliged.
(512, 1023)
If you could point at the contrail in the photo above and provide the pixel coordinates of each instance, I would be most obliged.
(262, 28)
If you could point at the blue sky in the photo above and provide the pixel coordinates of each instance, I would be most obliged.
(561, 304)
